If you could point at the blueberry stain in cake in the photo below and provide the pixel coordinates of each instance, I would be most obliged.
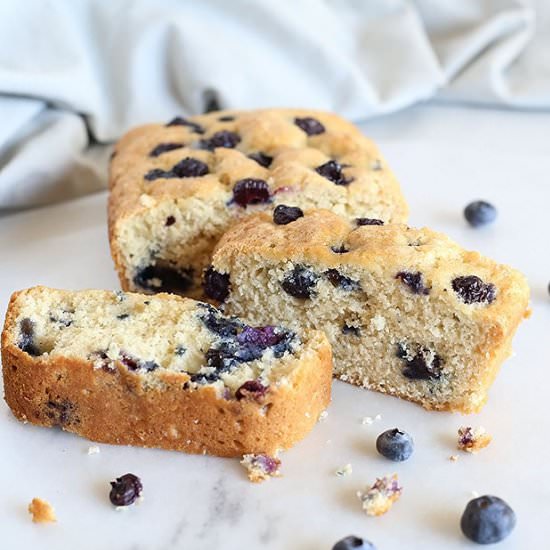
(223, 138)
(216, 285)
(472, 290)
(170, 220)
(413, 281)
(351, 330)
(135, 364)
(158, 278)
(123, 316)
(250, 191)
(187, 168)
(311, 126)
(420, 362)
(226, 118)
(395, 445)
(283, 214)
(487, 520)
(300, 282)
(338, 280)
(164, 148)
(156, 173)
(479, 213)
(26, 340)
(125, 490)
(180, 121)
(261, 158)
(340, 249)
(368, 221)
(61, 412)
(180, 350)
(332, 171)
(252, 390)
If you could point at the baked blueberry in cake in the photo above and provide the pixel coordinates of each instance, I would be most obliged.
(176, 188)
(407, 311)
(161, 371)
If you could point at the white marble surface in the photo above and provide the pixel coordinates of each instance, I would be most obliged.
(444, 157)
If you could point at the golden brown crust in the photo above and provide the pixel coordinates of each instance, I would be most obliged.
(113, 407)
(292, 179)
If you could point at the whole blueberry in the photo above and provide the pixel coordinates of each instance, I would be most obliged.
(395, 445)
(487, 519)
(353, 542)
(125, 490)
(480, 213)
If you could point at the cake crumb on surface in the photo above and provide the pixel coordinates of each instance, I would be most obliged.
(93, 450)
(453, 458)
(367, 420)
(41, 511)
(323, 416)
(261, 467)
(344, 470)
(379, 498)
(472, 440)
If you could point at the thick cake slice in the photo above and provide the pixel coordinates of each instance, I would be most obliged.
(176, 187)
(160, 371)
(407, 311)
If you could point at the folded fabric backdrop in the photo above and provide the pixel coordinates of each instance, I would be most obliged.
(75, 75)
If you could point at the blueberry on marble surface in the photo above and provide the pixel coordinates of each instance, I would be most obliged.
(283, 214)
(311, 126)
(216, 285)
(487, 520)
(125, 490)
(472, 290)
(353, 543)
(395, 445)
(300, 282)
(480, 213)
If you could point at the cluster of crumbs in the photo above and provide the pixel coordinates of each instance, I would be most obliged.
(344, 470)
(380, 497)
(41, 511)
(472, 440)
(368, 420)
(261, 467)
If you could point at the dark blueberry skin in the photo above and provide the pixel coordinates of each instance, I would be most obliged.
(353, 543)
(226, 118)
(218, 324)
(340, 249)
(251, 389)
(164, 148)
(283, 215)
(223, 138)
(186, 168)
(262, 159)
(300, 283)
(413, 281)
(26, 338)
(472, 290)
(180, 121)
(332, 170)
(170, 220)
(340, 281)
(487, 520)
(368, 221)
(311, 126)
(348, 329)
(171, 279)
(134, 364)
(395, 445)
(416, 367)
(216, 285)
(480, 213)
(251, 191)
(125, 490)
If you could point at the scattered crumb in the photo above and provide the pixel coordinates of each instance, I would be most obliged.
(453, 458)
(261, 467)
(196, 421)
(147, 200)
(323, 416)
(367, 420)
(344, 470)
(472, 440)
(94, 450)
(474, 494)
(329, 441)
(380, 497)
(41, 511)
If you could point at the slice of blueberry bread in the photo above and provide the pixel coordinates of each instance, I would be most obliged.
(160, 371)
(176, 187)
(408, 312)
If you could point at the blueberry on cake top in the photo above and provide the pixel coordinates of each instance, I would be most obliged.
(176, 187)
(161, 371)
(407, 311)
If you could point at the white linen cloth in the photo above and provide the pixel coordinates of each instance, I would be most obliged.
(76, 74)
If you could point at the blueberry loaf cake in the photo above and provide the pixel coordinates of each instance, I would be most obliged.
(407, 311)
(175, 188)
(160, 371)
